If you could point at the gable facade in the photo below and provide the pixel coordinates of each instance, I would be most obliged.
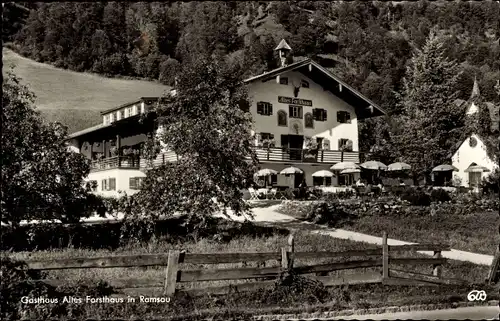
(472, 150)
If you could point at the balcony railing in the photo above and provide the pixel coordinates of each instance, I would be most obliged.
(279, 154)
(115, 162)
(272, 154)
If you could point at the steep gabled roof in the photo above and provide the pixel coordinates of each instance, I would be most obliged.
(365, 108)
(475, 89)
(283, 45)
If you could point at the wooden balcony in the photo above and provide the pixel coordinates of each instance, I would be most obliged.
(115, 162)
(278, 154)
(272, 154)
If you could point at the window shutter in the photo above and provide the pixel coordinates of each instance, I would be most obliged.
(103, 185)
(324, 114)
(270, 109)
(260, 108)
(339, 117)
(347, 117)
(132, 183)
(112, 184)
(340, 144)
(315, 114)
(300, 112)
(290, 111)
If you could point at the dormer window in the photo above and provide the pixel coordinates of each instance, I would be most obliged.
(111, 118)
(304, 83)
(283, 80)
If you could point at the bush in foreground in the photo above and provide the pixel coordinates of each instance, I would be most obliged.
(440, 195)
(416, 197)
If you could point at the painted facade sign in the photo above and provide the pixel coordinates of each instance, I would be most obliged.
(295, 101)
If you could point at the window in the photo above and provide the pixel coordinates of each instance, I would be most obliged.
(295, 111)
(135, 183)
(474, 179)
(319, 114)
(108, 184)
(308, 120)
(322, 181)
(319, 141)
(266, 140)
(264, 108)
(343, 117)
(345, 145)
(304, 83)
(111, 118)
(282, 118)
(122, 114)
(93, 185)
(283, 81)
(472, 142)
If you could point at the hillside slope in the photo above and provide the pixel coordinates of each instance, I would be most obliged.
(72, 98)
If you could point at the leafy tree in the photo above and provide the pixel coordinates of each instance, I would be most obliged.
(41, 178)
(431, 122)
(207, 124)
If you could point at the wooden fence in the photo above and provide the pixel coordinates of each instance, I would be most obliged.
(176, 274)
(494, 273)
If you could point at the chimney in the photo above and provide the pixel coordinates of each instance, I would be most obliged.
(283, 49)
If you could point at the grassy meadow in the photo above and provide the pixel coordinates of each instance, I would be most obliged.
(309, 297)
(73, 98)
(475, 232)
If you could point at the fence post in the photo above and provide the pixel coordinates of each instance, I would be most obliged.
(291, 249)
(385, 257)
(171, 272)
(493, 273)
(438, 268)
(284, 258)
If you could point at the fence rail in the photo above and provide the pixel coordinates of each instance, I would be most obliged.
(176, 275)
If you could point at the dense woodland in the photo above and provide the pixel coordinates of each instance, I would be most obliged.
(369, 44)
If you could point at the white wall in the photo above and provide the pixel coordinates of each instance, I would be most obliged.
(472, 109)
(270, 90)
(308, 170)
(466, 155)
(122, 177)
(73, 145)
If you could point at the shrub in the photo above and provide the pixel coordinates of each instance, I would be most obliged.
(416, 197)
(491, 184)
(440, 195)
(330, 213)
(168, 69)
(111, 235)
(291, 288)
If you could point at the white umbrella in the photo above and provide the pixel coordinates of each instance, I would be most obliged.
(266, 172)
(291, 170)
(374, 165)
(445, 168)
(350, 171)
(476, 169)
(323, 173)
(344, 165)
(398, 167)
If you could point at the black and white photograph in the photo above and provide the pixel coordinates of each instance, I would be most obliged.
(250, 160)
